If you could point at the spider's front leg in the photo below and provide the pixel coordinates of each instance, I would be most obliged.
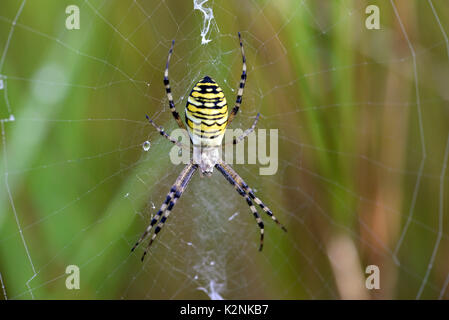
(238, 101)
(168, 90)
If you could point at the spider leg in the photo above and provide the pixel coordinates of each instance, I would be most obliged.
(180, 189)
(168, 90)
(248, 201)
(230, 171)
(175, 193)
(166, 135)
(238, 101)
(247, 131)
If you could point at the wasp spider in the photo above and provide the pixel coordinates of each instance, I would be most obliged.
(206, 117)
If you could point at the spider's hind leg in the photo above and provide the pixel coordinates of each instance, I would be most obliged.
(242, 184)
(175, 193)
(248, 201)
(155, 219)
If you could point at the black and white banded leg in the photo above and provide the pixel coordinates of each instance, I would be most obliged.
(175, 193)
(248, 201)
(168, 90)
(164, 134)
(238, 101)
(247, 131)
(244, 186)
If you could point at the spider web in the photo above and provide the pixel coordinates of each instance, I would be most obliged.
(362, 164)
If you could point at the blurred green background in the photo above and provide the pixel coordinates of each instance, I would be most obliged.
(363, 146)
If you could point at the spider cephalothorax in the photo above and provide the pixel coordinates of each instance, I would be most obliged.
(206, 117)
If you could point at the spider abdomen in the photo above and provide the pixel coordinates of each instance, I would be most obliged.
(206, 113)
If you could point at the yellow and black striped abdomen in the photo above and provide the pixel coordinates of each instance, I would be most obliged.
(206, 113)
